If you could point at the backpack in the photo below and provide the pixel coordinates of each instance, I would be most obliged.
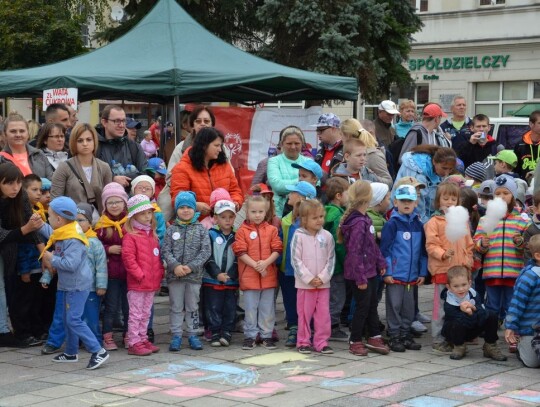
(396, 146)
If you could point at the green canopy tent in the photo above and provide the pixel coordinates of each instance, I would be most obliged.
(169, 56)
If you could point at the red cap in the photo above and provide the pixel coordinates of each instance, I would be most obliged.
(263, 190)
(433, 110)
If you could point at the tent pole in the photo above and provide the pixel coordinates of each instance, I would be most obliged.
(355, 109)
(162, 138)
(177, 123)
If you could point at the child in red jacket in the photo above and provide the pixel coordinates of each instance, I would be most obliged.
(140, 253)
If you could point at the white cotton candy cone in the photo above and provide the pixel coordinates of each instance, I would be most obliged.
(457, 223)
(496, 210)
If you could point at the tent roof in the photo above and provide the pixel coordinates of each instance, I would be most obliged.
(167, 54)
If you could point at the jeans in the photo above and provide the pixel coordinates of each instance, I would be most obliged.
(76, 329)
(457, 334)
(220, 308)
(366, 311)
(498, 299)
(57, 333)
(115, 300)
(91, 314)
(288, 292)
(3, 303)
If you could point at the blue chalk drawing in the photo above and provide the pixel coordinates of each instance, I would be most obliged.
(171, 371)
(524, 395)
(350, 381)
(431, 402)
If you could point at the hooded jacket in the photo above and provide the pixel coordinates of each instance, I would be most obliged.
(403, 244)
(340, 170)
(434, 138)
(222, 260)
(363, 258)
(470, 153)
(122, 150)
(524, 308)
(312, 256)
(36, 160)
(532, 229)
(459, 136)
(527, 153)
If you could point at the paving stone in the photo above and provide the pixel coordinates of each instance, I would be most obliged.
(22, 386)
(20, 400)
(479, 370)
(59, 391)
(352, 401)
(299, 398)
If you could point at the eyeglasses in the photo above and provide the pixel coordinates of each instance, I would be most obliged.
(114, 203)
(321, 129)
(58, 136)
(117, 122)
(201, 121)
(143, 189)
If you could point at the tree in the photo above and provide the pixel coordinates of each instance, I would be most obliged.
(37, 32)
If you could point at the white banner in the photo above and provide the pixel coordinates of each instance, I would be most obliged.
(67, 96)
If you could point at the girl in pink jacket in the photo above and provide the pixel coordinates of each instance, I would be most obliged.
(313, 259)
(141, 256)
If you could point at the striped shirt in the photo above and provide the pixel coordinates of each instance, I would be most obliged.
(524, 310)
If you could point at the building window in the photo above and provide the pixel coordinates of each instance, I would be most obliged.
(499, 99)
(491, 2)
(420, 5)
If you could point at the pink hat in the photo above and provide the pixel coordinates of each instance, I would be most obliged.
(138, 203)
(113, 189)
(219, 194)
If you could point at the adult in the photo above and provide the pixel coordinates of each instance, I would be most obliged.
(73, 119)
(30, 160)
(50, 140)
(124, 156)
(58, 113)
(457, 127)
(280, 171)
(376, 159)
(155, 130)
(330, 150)
(428, 129)
(527, 149)
(384, 131)
(203, 168)
(429, 165)
(132, 126)
(83, 176)
(407, 118)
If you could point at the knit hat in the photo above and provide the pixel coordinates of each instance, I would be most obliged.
(303, 188)
(219, 194)
(113, 189)
(476, 171)
(85, 209)
(223, 205)
(141, 178)
(186, 198)
(506, 181)
(64, 207)
(45, 184)
(379, 192)
(138, 203)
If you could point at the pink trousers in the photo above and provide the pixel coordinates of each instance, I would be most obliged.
(314, 304)
(140, 306)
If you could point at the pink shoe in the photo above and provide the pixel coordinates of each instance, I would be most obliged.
(150, 346)
(108, 342)
(139, 350)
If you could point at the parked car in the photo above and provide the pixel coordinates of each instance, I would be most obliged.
(508, 130)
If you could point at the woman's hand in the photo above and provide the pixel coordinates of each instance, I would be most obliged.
(203, 208)
(34, 223)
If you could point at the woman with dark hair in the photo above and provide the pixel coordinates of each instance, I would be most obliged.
(51, 140)
(429, 164)
(17, 224)
(203, 168)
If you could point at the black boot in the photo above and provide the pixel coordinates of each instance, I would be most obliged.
(409, 343)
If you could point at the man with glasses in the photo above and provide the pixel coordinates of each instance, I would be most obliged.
(125, 157)
(330, 150)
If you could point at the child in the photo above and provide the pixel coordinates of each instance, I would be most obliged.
(140, 253)
(185, 250)
(502, 249)
(443, 254)
(336, 196)
(362, 261)
(485, 194)
(32, 186)
(158, 171)
(525, 307)
(353, 166)
(257, 246)
(478, 144)
(505, 162)
(475, 174)
(313, 259)
(308, 171)
(465, 318)
(74, 278)
(145, 185)
(45, 193)
(218, 194)
(110, 232)
(220, 278)
(403, 244)
(289, 223)
(534, 226)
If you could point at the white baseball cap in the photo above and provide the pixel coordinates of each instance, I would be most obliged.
(389, 107)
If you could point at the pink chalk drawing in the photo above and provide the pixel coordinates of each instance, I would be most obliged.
(132, 390)
(189, 392)
(473, 389)
(261, 389)
(525, 395)
(165, 382)
(300, 379)
(331, 374)
(503, 401)
(192, 373)
(385, 392)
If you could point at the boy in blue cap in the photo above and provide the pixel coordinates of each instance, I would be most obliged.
(70, 260)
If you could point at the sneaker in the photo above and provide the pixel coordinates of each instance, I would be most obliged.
(396, 345)
(164, 292)
(207, 335)
(327, 350)
(338, 335)
(409, 343)
(418, 327)
(269, 343)
(377, 345)
(305, 350)
(424, 319)
(64, 358)
(492, 350)
(176, 343)
(151, 347)
(248, 344)
(215, 341)
(31, 341)
(195, 343)
(458, 352)
(291, 338)
(442, 348)
(97, 359)
(49, 349)
(139, 350)
(108, 342)
(151, 335)
(275, 336)
(225, 341)
(358, 349)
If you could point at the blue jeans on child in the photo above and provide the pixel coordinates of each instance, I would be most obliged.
(115, 300)
(57, 333)
(498, 299)
(76, 328)
(220, 309)
(288, 292)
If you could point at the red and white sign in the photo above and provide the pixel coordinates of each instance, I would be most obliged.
(67, 96)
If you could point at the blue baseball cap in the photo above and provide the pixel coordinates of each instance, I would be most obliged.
(65, 207)
(303, 188)
(407, 192)
(158, 165)
(311, 166)
(131, 123)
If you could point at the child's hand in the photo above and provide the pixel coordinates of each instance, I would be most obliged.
(518, 239)
(388, 280)
(382, 272)
(261, 265)
(45, 286)
(25, 278)
(510, 337)
(101, 292)
(316, 282)
(46, 261)
(264, 273)
(485, 241)
(115, 249)
(362, 286)
(420, 280)
(223, 277)
(179, 271)
(187, 270)
(448, 254)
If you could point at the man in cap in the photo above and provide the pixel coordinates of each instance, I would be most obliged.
(132, 126)
(330, 150)
(383, 123)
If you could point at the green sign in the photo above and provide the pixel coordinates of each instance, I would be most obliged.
(448, 63)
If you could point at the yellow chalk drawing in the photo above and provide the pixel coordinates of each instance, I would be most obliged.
(275, 358)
